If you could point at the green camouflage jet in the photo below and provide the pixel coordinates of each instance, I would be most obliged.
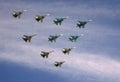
(58, 21)
(74, 38)
(81, 24)
(53, 38)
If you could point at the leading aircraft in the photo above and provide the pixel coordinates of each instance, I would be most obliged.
(58, 64)
(58, 21)
(53, 38)
(27, 38)
(40, 18)
(17, 14)
(45, 54)
(73, 38)
(67, 50)
(81, 24)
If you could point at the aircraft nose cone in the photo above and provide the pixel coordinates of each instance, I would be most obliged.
(48, 14)
(61, 34)
(74, 47)
(67, 17)
(82, 35)
(90, 20)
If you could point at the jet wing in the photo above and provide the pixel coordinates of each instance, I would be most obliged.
(25, 39)
(42, 55)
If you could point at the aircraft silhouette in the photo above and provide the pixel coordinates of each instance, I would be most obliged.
(40, 18)
(17, 14)
(81, 24)
(58, 21)
(53, 38)
(45, 54)
(74, 38)
(27, 38)
(67, 50)
(58, 64)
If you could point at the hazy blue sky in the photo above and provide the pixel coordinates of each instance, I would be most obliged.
(96, 57)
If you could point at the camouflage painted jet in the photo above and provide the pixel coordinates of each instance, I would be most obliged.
(81, 24)
(67, 50)
(17, 14)
(53, 38)
(27, 38)
(58, 21)
(74, 38)
(45, 54)
(58, 64)
(40, 18)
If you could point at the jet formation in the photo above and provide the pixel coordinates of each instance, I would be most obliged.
(53, 38)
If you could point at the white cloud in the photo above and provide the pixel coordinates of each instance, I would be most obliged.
(91, 63)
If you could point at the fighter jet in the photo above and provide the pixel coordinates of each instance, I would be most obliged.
(74, 38)
(39, 18)
(58, 64)
(81, 24)
(17, 14)
(67, 50)
(58, 21)
(45, 54)
(53, 38)
(27, 38)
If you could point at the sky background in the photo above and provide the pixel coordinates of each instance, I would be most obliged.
(96, 57)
